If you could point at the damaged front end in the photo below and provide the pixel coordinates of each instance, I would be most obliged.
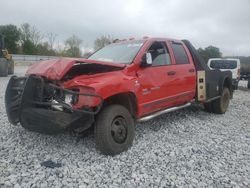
(44, 106)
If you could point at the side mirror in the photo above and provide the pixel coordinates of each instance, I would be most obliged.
(146, 60)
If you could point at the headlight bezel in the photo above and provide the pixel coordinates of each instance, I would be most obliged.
(71, 98)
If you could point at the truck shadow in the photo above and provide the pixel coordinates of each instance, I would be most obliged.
(169, 120)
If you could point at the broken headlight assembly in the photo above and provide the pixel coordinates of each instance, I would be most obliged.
(82, 99)
(71, 98)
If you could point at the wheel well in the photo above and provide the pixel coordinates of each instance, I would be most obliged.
(228, 83)
(128, 100)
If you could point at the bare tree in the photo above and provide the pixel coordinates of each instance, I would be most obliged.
(35, 36)
(31, 34)
(25, 32)
(72, 46)
(51, 39)
(102, 41)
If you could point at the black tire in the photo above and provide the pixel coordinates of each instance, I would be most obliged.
(220, 105)
(3, 68)
(11, 67)
(248, 84)
(114, 130)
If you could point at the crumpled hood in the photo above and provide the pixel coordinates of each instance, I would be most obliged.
(56, 69)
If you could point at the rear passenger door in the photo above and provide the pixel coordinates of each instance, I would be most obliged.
(185, 72)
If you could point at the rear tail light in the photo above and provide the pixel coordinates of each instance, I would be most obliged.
(238, 73)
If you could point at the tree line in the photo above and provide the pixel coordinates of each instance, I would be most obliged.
(28, 40)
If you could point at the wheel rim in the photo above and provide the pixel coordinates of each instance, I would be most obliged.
(225, 101)
(119, 130)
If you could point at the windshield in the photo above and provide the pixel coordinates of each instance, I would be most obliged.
(118, 52)
(223, 64)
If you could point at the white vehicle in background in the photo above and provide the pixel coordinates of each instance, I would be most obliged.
(227, 64)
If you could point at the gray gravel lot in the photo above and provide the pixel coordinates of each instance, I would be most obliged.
(185, 148)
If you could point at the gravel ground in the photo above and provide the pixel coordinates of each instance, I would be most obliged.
(188, 148)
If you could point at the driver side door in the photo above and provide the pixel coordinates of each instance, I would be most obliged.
(156, 81)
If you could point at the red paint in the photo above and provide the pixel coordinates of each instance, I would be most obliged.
(153, 88)
(57, 68)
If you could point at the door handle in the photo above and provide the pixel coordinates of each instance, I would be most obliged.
(171, 73)
(191, 70)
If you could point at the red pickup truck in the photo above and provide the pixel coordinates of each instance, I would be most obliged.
(119, 85)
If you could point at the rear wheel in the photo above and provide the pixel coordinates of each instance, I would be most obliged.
(248, 84)
(220, 105)
(3, 68)
(114, 130)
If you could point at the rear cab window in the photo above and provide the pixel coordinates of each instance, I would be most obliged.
(180, 54)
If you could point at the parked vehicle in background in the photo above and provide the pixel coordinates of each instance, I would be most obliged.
(122, 83)
(227, 64)
(244, 76)
(6, 62)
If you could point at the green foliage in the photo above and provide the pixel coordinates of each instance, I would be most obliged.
(29, 48)
(25, 32)
(12, 37)
(31, 40)
(102, 41)
(210, 52)
(31, 33)
(72, 46)
(45, 49)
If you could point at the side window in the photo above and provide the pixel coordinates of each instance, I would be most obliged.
(160, 54)
(180, 54)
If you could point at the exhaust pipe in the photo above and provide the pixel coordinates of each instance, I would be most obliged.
(146, 118)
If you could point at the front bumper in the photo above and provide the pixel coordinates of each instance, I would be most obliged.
(25, 105)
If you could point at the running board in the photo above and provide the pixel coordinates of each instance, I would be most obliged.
(146, 118)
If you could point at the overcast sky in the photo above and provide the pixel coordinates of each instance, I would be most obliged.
(222, 23)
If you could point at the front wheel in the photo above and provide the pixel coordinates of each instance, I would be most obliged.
(114, 130)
